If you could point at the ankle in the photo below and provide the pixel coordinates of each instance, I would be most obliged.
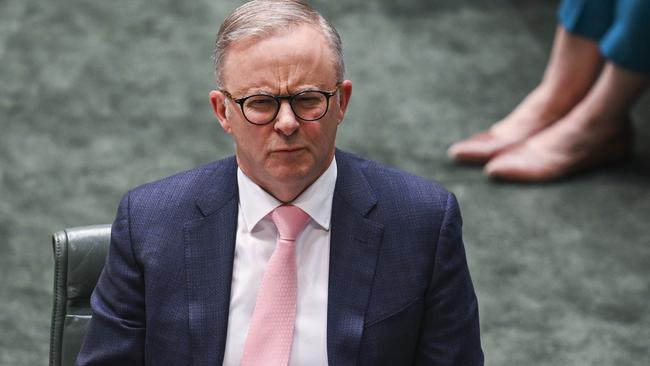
(589, 117)
(554, 101)
(537, 111)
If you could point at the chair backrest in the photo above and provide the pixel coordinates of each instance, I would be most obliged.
(79, 256)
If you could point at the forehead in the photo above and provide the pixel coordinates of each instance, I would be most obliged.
(280, 62)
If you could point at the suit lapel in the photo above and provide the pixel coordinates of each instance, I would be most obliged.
(209, 253)
(354, 248)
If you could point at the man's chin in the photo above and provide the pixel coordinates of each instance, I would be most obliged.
(296, 172)
(291, 175)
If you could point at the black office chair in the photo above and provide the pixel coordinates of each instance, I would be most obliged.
(79, 255)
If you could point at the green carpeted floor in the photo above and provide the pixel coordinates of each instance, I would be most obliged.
(100, 96)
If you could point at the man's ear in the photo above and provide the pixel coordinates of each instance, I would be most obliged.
(345, 93)
(218, 102)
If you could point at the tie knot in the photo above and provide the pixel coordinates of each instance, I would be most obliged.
(290, 221)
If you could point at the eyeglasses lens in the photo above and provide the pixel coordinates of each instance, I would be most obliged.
(308, 106)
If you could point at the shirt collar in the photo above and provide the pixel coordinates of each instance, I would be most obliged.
(255, 203)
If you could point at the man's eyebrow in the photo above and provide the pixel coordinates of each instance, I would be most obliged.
(303, 88)
(241, 93)
(266, 91)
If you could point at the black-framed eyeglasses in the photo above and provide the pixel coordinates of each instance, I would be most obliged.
(261, 109)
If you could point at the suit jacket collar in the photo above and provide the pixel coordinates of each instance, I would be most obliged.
(223, 187)
(209, 254)
(354, 249)
(352, 185)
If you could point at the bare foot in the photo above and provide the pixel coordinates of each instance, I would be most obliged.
(573, 67)
(597, 131)
(565, 148)
(541, 108)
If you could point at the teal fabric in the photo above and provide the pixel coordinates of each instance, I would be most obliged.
(620, 26)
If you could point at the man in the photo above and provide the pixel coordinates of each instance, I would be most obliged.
(378, 275)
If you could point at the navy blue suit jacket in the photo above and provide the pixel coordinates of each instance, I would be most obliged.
(400, 292)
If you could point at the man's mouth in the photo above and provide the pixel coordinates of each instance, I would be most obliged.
(288, 150)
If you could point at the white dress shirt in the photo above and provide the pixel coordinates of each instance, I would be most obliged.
(255, 242)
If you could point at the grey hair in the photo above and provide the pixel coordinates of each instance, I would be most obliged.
(265, 18)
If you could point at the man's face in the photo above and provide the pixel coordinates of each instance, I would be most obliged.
(287, 152)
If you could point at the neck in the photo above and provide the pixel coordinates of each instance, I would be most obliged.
(283, 191)
(287, 190)
(286, 193)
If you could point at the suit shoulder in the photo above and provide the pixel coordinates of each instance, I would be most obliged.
(184, 185)
(392, 182)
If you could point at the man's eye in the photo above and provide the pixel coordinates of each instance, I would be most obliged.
(307, 100)
(260, 102)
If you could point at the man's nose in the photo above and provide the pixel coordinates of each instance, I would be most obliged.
(286, 121)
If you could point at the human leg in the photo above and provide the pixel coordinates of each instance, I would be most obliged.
(597, 131)
(572, 68)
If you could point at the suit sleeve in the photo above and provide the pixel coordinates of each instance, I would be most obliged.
(450, 325)
(116, 332)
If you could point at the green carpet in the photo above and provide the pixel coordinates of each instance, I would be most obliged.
(99, 96)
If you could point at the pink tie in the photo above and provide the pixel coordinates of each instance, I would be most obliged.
(270, 333)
